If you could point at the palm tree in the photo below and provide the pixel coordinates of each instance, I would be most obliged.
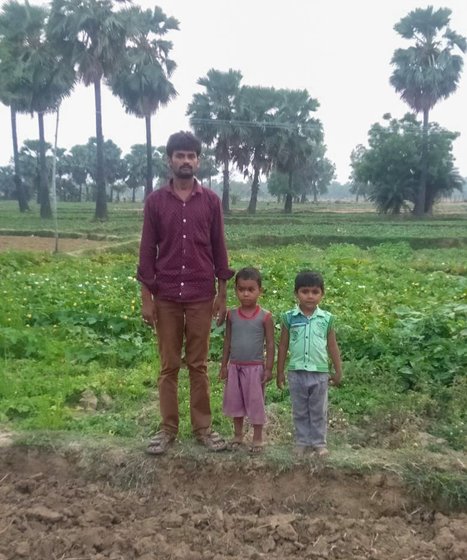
(78, 167)
(46, 79)
(208, 167)
(94, 36)
(298, 135)
(41, 79)
(16, 22)
(317, 174)
(257, 110)
(426, 72)
(213, 114)
(29, 157)
(141, 80)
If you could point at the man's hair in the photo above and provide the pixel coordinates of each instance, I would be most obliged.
(309, 279)
(184, 141)
(249, 273)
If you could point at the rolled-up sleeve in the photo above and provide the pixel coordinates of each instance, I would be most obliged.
(146, 271)
(219, 249)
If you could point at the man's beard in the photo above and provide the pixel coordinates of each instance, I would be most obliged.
(184, 173)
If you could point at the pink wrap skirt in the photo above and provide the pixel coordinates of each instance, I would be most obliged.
(244, 393)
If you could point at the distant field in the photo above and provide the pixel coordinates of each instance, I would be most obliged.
(319, 225)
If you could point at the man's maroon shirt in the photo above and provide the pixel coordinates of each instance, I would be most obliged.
(182, 247)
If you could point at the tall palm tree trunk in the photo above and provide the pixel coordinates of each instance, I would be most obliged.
(288, 196)
(419, 208)
(20, 190)
(148, 188)
(254, 192)
(101, 195)
(44, 197)
(226, 188)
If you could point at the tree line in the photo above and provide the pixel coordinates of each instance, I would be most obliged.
(76, 170)
(44, 52)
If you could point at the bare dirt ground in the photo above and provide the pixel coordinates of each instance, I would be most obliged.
(33, 243)
(212, 508)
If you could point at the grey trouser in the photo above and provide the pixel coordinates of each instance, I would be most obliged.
(309, 396)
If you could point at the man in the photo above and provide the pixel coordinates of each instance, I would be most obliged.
(182, 252)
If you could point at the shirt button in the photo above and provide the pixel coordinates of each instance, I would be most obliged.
(184, 220)
(184, 205)
(182, 283)
(184, 236)
(183, 267)
(180, 294)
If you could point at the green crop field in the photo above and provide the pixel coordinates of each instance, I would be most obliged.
(71, 324)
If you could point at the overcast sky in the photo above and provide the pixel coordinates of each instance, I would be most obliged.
(339, 50)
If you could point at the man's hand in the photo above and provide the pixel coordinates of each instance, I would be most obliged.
(148, 310)
(280, 380)
(223, 373)
(219, 309)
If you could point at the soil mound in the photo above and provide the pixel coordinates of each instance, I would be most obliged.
(50, 508)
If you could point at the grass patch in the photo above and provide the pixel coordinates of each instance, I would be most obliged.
(442, 489)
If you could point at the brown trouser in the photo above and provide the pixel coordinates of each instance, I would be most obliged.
(174, 320)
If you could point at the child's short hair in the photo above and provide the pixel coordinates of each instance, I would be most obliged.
(249, 273)
(184, 141)
(309, 279)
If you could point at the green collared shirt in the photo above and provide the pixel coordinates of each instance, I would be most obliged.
(308, 339)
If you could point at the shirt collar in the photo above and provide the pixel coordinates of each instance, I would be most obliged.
(197, 188)
(317, 313)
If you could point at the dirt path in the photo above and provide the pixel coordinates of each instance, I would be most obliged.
(33, 243)
(214, 510)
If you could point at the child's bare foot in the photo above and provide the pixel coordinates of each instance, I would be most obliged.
(321, 451)
(300, 450)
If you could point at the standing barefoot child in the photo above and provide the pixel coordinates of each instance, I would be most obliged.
(308, 332)
(245, 367)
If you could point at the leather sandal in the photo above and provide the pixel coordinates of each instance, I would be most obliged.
(212, 441)
(159, 443)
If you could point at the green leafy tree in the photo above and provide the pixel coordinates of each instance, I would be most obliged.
(391, 166)
(356, 187)
(142, 78)
(427, 71)
(7, 182)
(93, 34)
(213, 114)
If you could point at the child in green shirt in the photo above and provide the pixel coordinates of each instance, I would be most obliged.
(308, 334)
